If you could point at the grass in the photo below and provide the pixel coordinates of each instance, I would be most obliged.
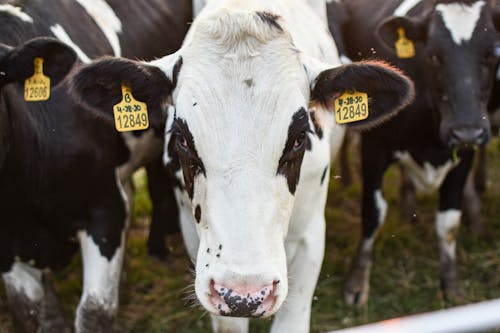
(405, 277)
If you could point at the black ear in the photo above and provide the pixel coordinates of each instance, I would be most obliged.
(98, 87)
(387, 31)
(388, 89)
(18, 63)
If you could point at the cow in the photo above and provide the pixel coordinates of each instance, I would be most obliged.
(61, 169)
(248, 144)
(451, 49)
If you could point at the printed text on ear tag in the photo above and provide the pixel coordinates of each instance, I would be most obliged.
(351, 107)
(130, 114)
(404, 46)
(37, 87)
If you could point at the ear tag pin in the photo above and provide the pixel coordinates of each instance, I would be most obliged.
(404, 47)
(351, 107)
(130, 114)
(37, 87)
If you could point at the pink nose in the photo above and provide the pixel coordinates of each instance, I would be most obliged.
(248, 301)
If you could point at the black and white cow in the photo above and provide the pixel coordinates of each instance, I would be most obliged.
(248, 140)
(59, 165)
(456, 48)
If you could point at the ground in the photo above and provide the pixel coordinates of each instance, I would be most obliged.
(405, 280)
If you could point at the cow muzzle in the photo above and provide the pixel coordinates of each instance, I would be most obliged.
(244, 300)
(467, 136)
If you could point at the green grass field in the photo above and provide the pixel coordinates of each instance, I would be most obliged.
(404, 281)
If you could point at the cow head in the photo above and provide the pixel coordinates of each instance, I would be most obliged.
(238, 132)
(457, 46)
(16, 65)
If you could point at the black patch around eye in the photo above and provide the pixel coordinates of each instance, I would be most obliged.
(182, 144)
(293, 153)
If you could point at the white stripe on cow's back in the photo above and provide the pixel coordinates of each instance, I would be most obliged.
(63, 36)
(460, 19)
(405, 6)
(106, 19)
(17, 12)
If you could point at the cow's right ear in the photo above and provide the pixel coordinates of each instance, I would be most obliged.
(98, 87)
(387, 31)
(17, 64)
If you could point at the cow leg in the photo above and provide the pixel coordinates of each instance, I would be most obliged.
(448, 222)
(24, 289)
(374, 209)
(102, 247)
(472, 206)
(305, 257)
(408, 197)
(229, 324)
(165, 217)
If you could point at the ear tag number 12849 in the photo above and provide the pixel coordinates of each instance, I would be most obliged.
(351, 107)
(37, 87)
(404, 46)
(130, 114)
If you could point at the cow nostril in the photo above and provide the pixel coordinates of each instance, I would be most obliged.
(243, 301)
(465, 136)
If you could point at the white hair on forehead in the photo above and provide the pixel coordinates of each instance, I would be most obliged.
(460, 19)
(229, 27)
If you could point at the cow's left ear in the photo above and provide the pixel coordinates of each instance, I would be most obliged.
(387, 31)
(17, 63)
(388, 89)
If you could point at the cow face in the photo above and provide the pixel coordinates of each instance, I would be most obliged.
(457, 48)
(16, 65)
(238, 131)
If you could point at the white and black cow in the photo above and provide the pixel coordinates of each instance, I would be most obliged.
(60, 165)
(248, 140)
(456, 48)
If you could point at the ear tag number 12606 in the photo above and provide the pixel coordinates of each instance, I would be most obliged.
(37, 87)
(351, 107)
(130, 114)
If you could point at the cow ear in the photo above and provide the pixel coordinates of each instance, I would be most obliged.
(17, 64)
(98, 86)
(387, 31)
(388, 89)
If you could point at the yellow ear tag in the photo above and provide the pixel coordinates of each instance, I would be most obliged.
(351, 107)
(130, 114)
(37, 87)
(404, 46)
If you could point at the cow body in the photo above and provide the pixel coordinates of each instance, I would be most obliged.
(248, 143)
(61, 167)
(455, 43)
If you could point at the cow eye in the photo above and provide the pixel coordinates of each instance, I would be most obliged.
(299, 142)
(181, 141)
(434, 59)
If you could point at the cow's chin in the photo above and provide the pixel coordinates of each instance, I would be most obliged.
(224, 292)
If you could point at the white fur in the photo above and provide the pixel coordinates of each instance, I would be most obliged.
(445, 222)
(26, 280)
(460, 19)
(63, 36)
(17, 12)
(240, 131)
(106, 20)
(405, 6)
(426, 178)
(101, 277)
